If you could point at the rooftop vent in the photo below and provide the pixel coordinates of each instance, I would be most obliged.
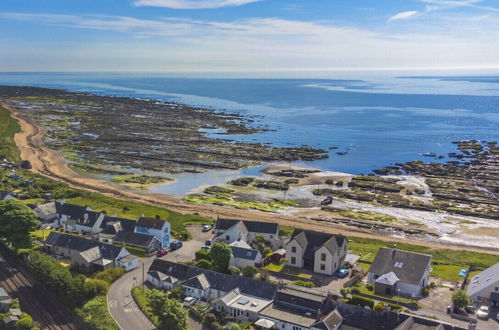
(398, 264)
(243, 301)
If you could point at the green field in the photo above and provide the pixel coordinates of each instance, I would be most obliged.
(132, 210)
(8, 128)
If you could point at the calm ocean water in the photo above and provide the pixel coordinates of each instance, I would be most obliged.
(376, 121)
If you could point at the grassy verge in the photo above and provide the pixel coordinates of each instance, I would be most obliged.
(139, 296)
(95, 312)
(446, 262)
(8, 128)
(132, 210)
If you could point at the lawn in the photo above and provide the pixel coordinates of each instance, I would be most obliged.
(287, 270)
(446, 262)
(95, 312)
(8, 128)
(274, 267)
(41, 234)
(362, 289)
(132, 210)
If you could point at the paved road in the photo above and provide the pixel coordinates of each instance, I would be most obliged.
(121, 305)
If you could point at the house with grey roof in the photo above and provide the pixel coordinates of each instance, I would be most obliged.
(301, 308)
(240, 307)
(321, 253)
(483, 288)
(154, 227)
(89, 255)
(72, 217)
(241, 257)
(401, 272)
(231, 230)
(147, 242)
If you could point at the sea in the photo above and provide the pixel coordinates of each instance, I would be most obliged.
(372, 121)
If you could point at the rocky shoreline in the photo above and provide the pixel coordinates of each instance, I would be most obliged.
(113, 135)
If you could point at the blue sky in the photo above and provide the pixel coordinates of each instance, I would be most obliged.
(248, 35)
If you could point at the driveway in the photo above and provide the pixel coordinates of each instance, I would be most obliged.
(189, 248)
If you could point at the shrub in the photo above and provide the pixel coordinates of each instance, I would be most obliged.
(395, 307)
(202, 254)
(283, 261)
(249, 271)
(234, 270)
(184, 235)
(97, 287)
(204, 264)
(362, 301)
(306, 284)
(110, 275)
(370, 287)
(425, 292)
(433, 285)
(25, 322)
(209, 319)
(354, 290)
(379, 307)
(344, 291)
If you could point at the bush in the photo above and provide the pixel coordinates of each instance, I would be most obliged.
(204, 264)
(354, 290)
(234, 270)
(97, 287)
(110, 275)
(362, 301)
(184, 235)
(425, 292)
(370, 287)
(283, 261)
(249, 271)
(395, 307)
(379, 307)
(344, 292)
(209, 319)
(306, 284)
(432, 285)
(25, 322)
(202, 254)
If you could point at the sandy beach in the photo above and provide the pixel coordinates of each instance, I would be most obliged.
(52, 164)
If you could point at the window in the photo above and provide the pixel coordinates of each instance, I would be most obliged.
(496, 289)
(479, 298)
(293, 260)
(323, 257)
(323, 267)
(293, 249)
(227, 237)
(247, 314)
(271, 236)
(296, 328)
(283, 326)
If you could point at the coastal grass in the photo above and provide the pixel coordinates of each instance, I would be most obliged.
(446, 263)
(95, 313)
(368, 215)
(139, 296)
(133, 210)
(8, 128)
(225, 199)
(140, 179)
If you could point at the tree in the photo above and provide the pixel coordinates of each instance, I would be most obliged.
(220, 257)
(260, 243)
(234, 270)
(171, 315)
(203, 263)
(249, 271)
(460, 299)
(16, 222)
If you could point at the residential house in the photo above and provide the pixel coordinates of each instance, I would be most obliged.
(240, 307)
(4, 195)
(230, 230)
(154, 227)
(298, 308)
(398, 272)
(47, 213)
(142, 241)
(89, 255)
(5, 300)
(110, 226)
(319, 252)
(208, 285)
(59, 213)
(483, 288)
(241, 257)
(87, 221)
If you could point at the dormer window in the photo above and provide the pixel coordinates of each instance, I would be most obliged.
(293, 249)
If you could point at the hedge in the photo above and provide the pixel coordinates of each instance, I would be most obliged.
(362, 301)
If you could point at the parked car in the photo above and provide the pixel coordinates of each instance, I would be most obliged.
(342, 272)
(207, 228)
(161, 253)
(208, 242)
(205, 247)
(483, 312)
(470, 309)
(175, 245)
(189, 301)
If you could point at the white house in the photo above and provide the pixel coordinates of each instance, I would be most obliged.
(87, 221)
(230, 230)
(483, 289)
(160, 280)
(401, 272)
(155, 227)
(241, 257)
(240, 307)
(320, 252)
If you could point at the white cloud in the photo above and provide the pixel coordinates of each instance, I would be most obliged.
(193, 4)
(403, 15)
(256, 44)
(434, 5)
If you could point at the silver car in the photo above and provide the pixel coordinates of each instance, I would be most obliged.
(483, 312)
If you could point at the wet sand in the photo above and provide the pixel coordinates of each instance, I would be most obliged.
(52, 164)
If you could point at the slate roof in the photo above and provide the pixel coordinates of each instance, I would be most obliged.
(126, 224)
(408, 266)
(48, 208)
(87, 218)
(150, 223)
(217, 281)
(4, 194)
(303, 297)
(81, 244)
(483, 280)
(3, 294)
(242, 253)
(136, 239)
(72, 211)
(388, 279)
(313, 240)
(251, 226)
(197, 282)
(91, 254)
(330, 321)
